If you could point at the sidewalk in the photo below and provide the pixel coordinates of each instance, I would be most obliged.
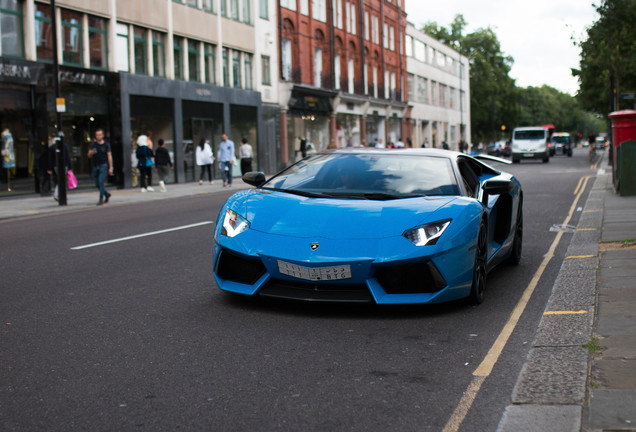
(580, 374)
(31, 205)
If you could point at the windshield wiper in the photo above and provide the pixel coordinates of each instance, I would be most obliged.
(297, 192)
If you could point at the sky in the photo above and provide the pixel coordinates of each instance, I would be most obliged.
(536, 34)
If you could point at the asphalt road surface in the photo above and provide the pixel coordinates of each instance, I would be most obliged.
(134, 334)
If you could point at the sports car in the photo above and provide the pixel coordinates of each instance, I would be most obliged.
(366, 225)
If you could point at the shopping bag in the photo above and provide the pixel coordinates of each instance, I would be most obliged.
(72, 180)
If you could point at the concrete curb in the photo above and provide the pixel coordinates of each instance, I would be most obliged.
(551, 389)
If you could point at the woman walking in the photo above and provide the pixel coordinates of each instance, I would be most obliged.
(205, 159)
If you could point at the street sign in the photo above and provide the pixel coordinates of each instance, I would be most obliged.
(628, 96)
(60, 105)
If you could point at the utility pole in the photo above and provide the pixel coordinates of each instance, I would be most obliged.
(60, 151)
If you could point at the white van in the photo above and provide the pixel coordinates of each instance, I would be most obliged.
(530, 143)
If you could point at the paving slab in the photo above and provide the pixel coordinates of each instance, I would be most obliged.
(539, 418)
(613, 410)
(615, 373)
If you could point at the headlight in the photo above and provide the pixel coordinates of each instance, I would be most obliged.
(234, 224)
(427, 234)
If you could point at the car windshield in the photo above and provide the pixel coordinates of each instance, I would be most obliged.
(530, 135)
(561, 139)
(367, 176)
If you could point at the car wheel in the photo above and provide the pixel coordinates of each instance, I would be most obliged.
(546, 159)
(515, 252)
(515, 160)
(569, 152)
(479, 270)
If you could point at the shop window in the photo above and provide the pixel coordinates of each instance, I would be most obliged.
(71, 38)
(178, 57)
(97, 43)
(209, 63)
(12, 41)
(158, 54)
(263, 10)
(141, 50)
(226, 68)
(122, 53)
(43, 33)
(236, 69)
(193, 60)
(248, 71)
(266, 74)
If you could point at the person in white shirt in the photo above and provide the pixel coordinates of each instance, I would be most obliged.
(246, 154)
(205, 159)
(399, 143)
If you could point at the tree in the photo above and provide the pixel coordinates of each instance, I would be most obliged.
(492, 91)
(608, 57)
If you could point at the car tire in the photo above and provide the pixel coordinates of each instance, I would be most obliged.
(515, 160)
(515, 251)
(478, 287)
(569, 152)
(546, 159)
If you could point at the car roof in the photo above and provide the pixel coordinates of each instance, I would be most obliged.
(530, 128)
(412, 151)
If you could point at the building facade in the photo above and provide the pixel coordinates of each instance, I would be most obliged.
(438, 92)
(343, 74)
(182, 69)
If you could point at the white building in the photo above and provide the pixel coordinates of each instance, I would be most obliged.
(438, 91)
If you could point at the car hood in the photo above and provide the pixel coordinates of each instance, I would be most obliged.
(281, 213)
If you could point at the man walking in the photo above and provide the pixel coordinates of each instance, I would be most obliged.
(226, 158)
(101, 154)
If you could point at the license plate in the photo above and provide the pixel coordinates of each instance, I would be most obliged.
(332, 273)
(528, 154)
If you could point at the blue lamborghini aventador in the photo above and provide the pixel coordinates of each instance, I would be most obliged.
(367, 225)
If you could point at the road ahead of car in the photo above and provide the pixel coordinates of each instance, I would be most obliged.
(134, 335)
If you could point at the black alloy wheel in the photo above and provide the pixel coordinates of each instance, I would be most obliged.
(479, 270)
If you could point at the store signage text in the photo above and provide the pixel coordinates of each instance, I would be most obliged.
(15, 71)
(82, 78)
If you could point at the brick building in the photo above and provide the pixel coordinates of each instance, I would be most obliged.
(343, 73)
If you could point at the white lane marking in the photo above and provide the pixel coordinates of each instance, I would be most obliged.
(141, 235)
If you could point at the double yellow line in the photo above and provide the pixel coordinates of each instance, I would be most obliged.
(485, 367)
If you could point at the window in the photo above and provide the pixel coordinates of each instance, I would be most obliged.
(223, 8)
(234, 9)
(337, 7)
(178, 57)
(385, 36)
(71, 38)
(193, 60)
(409, 46)
(286, 59)
(366, 79)
(192, 3)
(386, 84)
(304, 7)
(420, 51)
(226, 67)
(366, 25)
(246, 11)
(350, 76)
(375, 27)
(318, 67)
(319, 10)
(207, 5)
(43, 33)
(266, 77)
(121, 45)
(410, 82)
(247, 64)
(375, 81)
(97, 43)
(289, 4)
(158, 54)
(394, 89)
(236, 69)
(336, 65)
(351, 17)
(12, 42)
(421, 91)
(392, 38)
(209, 63)
(141, 50)
(263, 10)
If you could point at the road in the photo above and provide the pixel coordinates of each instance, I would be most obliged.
(134, 334)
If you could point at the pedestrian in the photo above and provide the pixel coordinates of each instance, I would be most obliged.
(144, 163)
(226, 159)
(163, 163)
(43, 164)
(246, 154)
(101, 154)
(8, 155)
(205, 159)
(52, 171)
(399, 143)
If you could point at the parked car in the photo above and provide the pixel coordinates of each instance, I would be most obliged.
(601, 143)
(530, 143)
(561, 144)
(370, 225)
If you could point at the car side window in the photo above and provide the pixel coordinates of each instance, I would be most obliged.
(469, 177)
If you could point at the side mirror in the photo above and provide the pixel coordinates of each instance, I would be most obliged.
(254, 178)
(496, 187)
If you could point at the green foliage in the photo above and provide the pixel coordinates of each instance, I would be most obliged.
(495, 100)
(609, 52)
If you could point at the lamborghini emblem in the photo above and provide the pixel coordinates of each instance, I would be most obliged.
(314, 246)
